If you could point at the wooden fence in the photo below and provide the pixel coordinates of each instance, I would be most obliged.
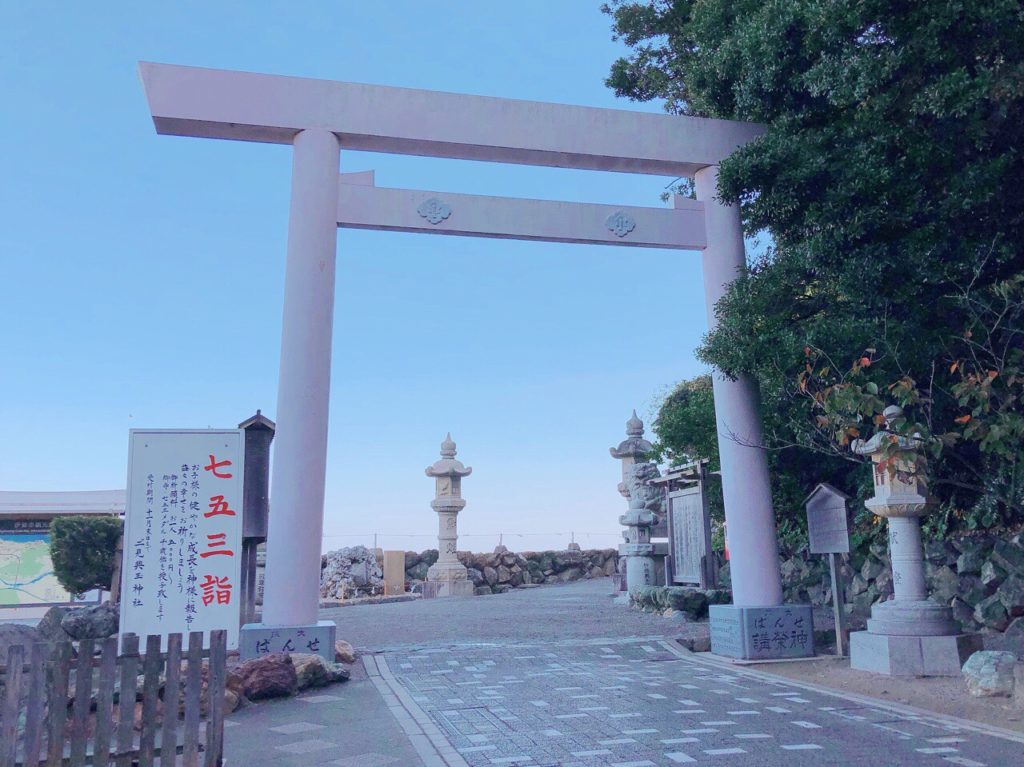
(73, 716)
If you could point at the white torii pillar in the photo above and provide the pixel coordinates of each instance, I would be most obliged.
(291, 595)
(746, 490)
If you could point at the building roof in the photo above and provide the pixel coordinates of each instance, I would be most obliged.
(26, 503)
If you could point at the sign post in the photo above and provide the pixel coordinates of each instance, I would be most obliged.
(829, 532)
(183, 532)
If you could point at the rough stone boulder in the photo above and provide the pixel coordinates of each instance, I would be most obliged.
(989, 673)
(992, 613)
(234, 691)
(349, 572)
(572, 574)
(97, 622)
(693, 602)
(992, 574)
(269, 676)
(344, 652)
(970, 561)
(49, 627)
(17, 633)
(314, 671)
(1009, 555)
(944, 585)
(1011, 594)
(417, 572)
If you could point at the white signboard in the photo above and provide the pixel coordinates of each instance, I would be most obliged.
(183, 532)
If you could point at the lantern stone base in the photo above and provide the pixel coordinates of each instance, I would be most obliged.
(432, 589)
(911, 655)
(762, 633)
(257, 639)
(919, 617)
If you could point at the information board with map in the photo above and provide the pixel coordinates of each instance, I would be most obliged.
(26, 570)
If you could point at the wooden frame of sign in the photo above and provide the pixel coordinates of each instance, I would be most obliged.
(828, 531)
(684, 492)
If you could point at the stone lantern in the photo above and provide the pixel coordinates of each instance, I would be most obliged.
(644, 559)
(909, 635)
(448, 576)
(634, 448)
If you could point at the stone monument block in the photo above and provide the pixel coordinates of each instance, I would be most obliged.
(256, 639)
(762, 633)
(394, 572)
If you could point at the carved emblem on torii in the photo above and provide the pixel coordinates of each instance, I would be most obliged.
(434, 210)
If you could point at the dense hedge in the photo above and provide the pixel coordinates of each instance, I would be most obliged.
(83, 549)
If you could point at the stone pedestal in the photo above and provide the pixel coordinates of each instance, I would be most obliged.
(448, 576)
(256, 639)
(448, 588)
(912, 655)
(762, 633)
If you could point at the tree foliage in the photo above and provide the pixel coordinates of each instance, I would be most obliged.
(888, 179)
(83, 549)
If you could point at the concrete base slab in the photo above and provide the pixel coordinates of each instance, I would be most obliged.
(433, 589)
(762, 633)
(911, 655)
(256, 639)
(763, 661)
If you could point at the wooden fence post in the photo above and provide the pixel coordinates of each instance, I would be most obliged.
(105, 703)
(80, 711)
(193, 705)
(9, 713)
(58, 703)
(126, 699)
(34, 717)
(215, 688)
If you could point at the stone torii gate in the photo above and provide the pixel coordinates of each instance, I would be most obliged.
(319, 118)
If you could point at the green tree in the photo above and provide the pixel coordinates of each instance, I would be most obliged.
(83, 549)
(888, 180)
(685, 424)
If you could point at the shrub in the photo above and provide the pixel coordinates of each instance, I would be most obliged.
(83, 549)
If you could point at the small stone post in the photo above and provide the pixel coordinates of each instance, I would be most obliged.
(448, 576)
(637, 550)
(909, 635)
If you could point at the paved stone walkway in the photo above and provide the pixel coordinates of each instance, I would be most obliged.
(460, 683)
(624, 703)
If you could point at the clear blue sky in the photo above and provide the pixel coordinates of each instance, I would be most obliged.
(141, 275)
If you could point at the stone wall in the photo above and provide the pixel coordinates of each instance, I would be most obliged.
(981, 577)
(503, 570)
